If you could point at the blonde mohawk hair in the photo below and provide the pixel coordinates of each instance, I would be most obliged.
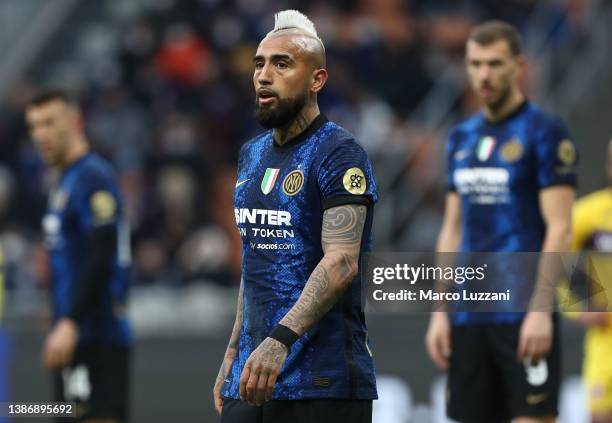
(294, 20)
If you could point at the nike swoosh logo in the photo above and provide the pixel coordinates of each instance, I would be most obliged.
(460, 155)
(534, 399)
(242, 182)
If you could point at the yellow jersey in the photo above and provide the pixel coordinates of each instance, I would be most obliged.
(592, 231)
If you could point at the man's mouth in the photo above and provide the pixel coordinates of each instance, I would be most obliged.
(266, 97)
(486, 91)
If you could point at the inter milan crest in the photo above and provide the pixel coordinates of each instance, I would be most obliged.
(485, 148)
(512, 150)
(293, 182)
(354, 181)
(269, 179)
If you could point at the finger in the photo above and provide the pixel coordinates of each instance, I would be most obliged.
(430, 343)
(442, 352)
(542, 348)
(218, 403)
(62, 356)
(251, 386)
(271, 385)
(51, 357)
(437, 357)
(431, 351)
(244, 378)
(447, 348)
(260, 392)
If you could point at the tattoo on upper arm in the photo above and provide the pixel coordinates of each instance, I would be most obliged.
(343, 226)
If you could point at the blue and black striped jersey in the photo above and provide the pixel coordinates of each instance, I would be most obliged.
(280, 197)
(498, 170)
(87, 197)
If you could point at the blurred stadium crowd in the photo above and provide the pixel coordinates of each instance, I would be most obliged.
(167, 92)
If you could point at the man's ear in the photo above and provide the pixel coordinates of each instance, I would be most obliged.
(319, 78)
(521, 64)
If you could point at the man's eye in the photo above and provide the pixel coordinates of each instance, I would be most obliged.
(281, 65)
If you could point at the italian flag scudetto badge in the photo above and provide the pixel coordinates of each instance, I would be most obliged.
(269, 179)
(485, 148)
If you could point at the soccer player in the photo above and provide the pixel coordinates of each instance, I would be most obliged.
(592, 231)
(303, 205)
(89, 344)
(511, 176)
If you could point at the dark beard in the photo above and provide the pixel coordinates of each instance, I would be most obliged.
(284, 113)
(501, 102)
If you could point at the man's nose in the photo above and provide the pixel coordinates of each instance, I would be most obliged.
(484, 73)
(265, 75)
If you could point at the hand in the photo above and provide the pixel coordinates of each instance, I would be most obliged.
(595, 318)
(60, 344)
(535, 338)
(438, 339)
(226, 366)
(261, 370)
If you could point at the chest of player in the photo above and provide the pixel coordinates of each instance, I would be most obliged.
(276, 194)
(494, 164)
(60, 221)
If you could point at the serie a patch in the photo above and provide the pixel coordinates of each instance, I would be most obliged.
(354, 181)
(103, 206)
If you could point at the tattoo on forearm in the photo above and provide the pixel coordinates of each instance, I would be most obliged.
(341, 239)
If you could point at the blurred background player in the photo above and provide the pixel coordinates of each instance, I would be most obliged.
(511, 178)
(303, 204)
(88, 346)
(592, 231)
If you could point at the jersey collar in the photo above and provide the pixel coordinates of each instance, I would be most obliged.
(317, 122)
(517, 111)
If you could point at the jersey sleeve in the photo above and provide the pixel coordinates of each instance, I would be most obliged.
(98, 203)
(345, 176)
(556, 156)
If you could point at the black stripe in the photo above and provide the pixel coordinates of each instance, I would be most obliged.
(343, 200)
(347, 311)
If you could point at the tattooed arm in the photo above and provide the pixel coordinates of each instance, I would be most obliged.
(230, 353)
(341, 242)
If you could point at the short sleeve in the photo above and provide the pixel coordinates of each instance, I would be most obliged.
(556, 156)
(450, 163)
(98, 204)
(345, 176)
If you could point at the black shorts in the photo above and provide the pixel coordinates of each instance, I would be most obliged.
(98, 381)
(298, 411)
(487, 384)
